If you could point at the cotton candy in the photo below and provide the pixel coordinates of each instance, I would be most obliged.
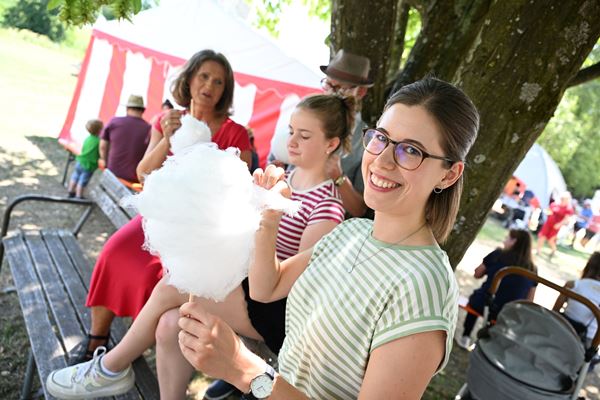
(200, 213)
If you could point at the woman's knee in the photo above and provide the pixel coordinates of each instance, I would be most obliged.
(167, 328)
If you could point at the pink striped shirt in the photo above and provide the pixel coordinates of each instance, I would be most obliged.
(319, 203)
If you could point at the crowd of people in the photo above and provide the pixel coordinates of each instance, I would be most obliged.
(346, 303)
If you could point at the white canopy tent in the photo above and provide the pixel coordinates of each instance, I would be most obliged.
(541, 175)
(143, 56)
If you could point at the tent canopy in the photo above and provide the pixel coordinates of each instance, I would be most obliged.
(541, 175)
(144, 56)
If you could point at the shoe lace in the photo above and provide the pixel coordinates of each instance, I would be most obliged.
(89, 368)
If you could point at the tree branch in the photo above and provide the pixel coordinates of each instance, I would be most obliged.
(585, 75)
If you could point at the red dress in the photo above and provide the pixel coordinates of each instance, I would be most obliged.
(559, 212)
(125, 274)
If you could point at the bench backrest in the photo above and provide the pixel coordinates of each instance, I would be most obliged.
(107, 194)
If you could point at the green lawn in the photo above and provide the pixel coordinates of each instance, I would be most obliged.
(36, 81)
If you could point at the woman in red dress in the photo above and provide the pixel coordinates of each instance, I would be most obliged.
(558, 218)
(125, 274)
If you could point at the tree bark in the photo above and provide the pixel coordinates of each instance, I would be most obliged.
(369, 31)
(514, 58)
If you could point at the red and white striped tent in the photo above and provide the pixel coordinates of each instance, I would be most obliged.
(143, 56)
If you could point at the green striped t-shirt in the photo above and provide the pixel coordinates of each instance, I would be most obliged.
(346, 304)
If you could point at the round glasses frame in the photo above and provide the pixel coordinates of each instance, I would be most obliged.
(327, 85)
(369, 134)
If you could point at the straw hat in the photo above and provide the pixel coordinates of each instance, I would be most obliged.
(349, 68)
(135, 101)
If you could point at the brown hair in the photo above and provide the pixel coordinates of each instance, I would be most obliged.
(521, 249)
(336, 114)
(94, 126)
(458, 121)
(181, 85)
(592, 268)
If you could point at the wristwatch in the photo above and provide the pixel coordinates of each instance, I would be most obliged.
(262, 385)
(339, 181)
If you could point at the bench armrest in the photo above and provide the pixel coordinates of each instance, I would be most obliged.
(45, 198)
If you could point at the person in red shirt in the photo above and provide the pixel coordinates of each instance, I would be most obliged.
(558, 217)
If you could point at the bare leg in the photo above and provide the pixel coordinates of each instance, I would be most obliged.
(79, 191)
(140, 335)
(552, 244)
(173, 370)
(102, 317)
(71, 187)
(233, 310)
(540, 244)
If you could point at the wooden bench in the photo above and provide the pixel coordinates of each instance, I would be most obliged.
(51, 277)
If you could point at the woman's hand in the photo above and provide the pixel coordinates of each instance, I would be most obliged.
(211, 346)
(170, 122)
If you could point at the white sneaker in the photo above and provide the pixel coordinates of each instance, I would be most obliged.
(464, 342)
(87, 381)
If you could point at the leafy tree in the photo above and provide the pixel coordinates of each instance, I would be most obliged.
(34, 16)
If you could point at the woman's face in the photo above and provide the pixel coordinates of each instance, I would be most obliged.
(208, 84)
(394, 190)
(508, 242)
(307, 145)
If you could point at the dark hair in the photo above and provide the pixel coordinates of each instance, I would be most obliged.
(336, 114)
(521, 249)
(181, 86)
(458, 120)
(94, 126)
(167, 103)
(592, 268)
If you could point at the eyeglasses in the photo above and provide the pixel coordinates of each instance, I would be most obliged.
(406, 155)
(328, 86)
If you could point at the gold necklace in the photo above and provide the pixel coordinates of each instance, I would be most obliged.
(354, 264)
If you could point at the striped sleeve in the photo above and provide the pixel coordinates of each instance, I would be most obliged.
(328, 209)
(418, 305)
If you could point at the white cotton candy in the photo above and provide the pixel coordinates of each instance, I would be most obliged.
(192, 131)
(200, 213)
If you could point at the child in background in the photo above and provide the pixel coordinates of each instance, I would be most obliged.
(516, 252)
(87, 161)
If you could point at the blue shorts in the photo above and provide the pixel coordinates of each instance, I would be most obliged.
(81, 176)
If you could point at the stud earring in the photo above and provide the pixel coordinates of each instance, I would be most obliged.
(437, 190)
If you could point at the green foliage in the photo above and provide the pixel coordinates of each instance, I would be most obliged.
(572, 137)
(80, 12)
(34, 16)
(413, 28)
(268, 12)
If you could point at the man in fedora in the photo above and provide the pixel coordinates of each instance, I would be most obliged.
(348, 74)
(124, 140)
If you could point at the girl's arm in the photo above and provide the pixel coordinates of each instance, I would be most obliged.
(480, 271)
(402, 369)
(531, 293)
(560, 301)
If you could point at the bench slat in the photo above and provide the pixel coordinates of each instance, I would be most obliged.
(48, 352)
(64, 315)
(116, 190)
(112, 211)
(84, 268)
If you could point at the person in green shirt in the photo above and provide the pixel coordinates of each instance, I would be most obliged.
(87, 161)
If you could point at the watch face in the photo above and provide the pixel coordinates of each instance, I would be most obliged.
(261, 386)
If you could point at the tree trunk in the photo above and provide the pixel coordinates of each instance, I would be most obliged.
(514, 58)
(371, 32)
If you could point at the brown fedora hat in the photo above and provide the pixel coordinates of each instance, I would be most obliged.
(349, 68)
(135, 101)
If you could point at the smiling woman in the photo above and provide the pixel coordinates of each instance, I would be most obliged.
(372, 306)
